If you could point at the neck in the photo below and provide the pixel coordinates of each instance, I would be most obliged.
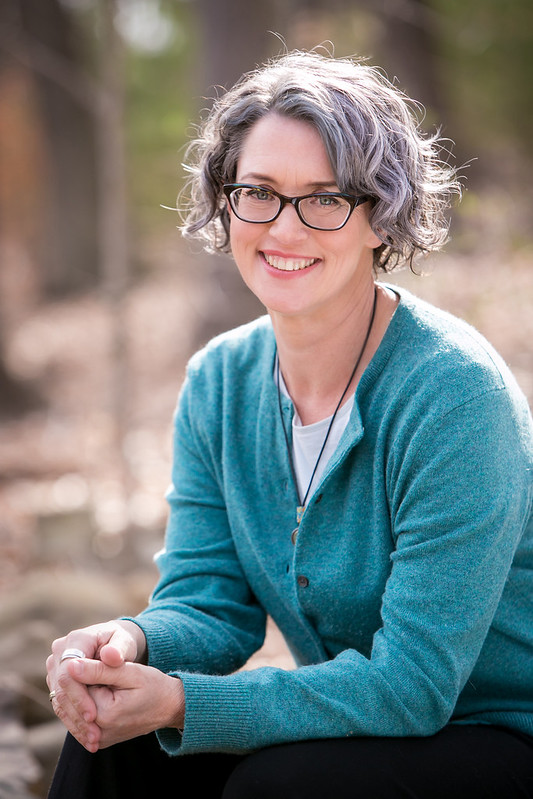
(317, 356)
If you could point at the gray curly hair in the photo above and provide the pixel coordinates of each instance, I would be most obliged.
(372, 134)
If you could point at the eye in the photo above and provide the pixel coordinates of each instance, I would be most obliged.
(328, 201)
(258, 193)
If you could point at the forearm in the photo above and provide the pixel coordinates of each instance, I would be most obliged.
(348, 696)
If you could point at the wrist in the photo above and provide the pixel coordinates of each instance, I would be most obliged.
(176, 704)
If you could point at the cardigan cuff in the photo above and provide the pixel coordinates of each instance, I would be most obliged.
(218, 715)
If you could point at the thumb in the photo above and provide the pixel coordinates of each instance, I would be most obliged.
(118, 649)
(95, 672)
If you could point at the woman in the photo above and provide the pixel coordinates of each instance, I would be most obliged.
(357, 464)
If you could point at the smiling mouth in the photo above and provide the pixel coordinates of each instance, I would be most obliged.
(288, 264)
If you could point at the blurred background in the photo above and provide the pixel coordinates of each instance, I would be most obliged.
(101, 302)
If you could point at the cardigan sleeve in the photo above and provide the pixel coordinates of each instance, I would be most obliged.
(202, 614)
(460, 499)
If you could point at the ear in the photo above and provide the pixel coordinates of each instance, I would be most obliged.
(373, 240)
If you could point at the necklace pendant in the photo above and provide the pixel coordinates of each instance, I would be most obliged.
(299, 513)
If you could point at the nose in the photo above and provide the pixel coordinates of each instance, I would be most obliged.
(288, 226)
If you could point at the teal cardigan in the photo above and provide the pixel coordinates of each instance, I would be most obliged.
(407, 596)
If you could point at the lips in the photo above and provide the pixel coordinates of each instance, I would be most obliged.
(288, 264)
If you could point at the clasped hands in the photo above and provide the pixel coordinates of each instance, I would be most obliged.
(110, 696)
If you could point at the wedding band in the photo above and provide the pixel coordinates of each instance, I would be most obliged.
(71, 653)
(51, 695)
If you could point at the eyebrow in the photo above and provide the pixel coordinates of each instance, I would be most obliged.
(313, 185)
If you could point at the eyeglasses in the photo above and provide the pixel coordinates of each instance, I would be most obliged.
(326, 210)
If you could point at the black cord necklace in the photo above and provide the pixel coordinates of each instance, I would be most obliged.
(301, 507)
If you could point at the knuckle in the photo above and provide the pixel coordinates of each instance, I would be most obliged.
(58, 645)
(98, 670)
(63, 681)
(60, 712)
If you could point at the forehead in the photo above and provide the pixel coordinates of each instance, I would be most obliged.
(282, 149)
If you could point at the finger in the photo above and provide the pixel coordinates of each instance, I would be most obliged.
(69, 708)
(72, 702)
(90, 641)
(104, 699)
(118, 649)
(114, 642)
(72, 699)
(95, 672)
(125, 714)
(85, 640)
(49, 666)
(88, 735)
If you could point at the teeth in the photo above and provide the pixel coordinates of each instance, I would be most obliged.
(288, 264)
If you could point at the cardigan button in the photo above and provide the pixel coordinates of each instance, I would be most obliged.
(302, 581)
(294, 535)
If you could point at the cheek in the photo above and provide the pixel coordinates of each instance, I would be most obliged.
(238, 245)
(241, 234)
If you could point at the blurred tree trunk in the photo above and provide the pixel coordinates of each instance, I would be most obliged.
(20, 204)
(39, 36)
(112, 222)
(234, 38)
(407, 44)
(410, 46)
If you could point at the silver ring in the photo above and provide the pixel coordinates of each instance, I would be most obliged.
(51, 695)
(71, 653)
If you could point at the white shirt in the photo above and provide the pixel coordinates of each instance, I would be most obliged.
(307, 441)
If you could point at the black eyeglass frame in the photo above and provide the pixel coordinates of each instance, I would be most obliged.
(352, 200)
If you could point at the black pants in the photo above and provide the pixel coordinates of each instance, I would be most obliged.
(460, 762)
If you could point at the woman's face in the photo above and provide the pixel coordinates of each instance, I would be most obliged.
(291, 268)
